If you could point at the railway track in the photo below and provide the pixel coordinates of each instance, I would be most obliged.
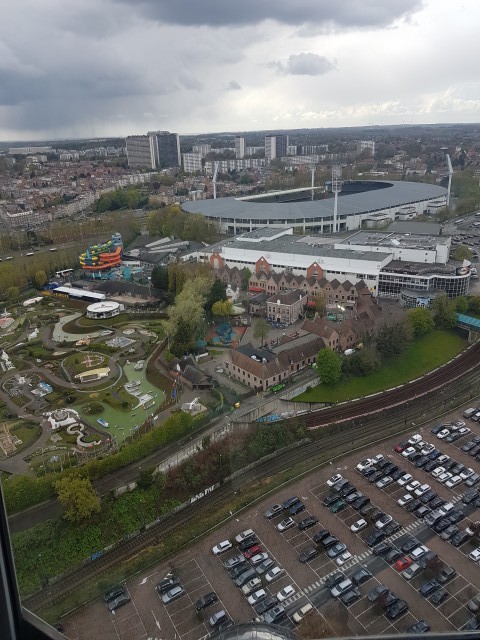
(369, 418)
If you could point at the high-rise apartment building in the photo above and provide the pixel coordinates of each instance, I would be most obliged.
(239, 147)
(156, 150)
(167, 149)
(276, 146)
(141, 152)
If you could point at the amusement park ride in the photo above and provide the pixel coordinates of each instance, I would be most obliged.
(103, 257)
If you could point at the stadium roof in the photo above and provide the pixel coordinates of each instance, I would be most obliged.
(395, 195)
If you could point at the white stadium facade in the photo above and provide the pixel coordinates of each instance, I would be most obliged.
(358, 202)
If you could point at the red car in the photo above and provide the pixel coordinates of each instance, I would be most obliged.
(403, 563)
(400, 447)
(249, 553)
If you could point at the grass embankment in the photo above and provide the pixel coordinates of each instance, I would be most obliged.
(422, 355)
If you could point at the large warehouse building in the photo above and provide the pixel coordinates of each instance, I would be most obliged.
(386, 263)
(358, 202)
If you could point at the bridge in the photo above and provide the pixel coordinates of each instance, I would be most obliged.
(470, 324)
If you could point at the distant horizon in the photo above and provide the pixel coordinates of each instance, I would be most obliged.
(410, 125)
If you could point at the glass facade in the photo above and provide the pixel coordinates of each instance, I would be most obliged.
(391, 283)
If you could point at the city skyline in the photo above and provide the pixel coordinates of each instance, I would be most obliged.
(122, 68)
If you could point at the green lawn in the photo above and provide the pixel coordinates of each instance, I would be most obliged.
(422, 356)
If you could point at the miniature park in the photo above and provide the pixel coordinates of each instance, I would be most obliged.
(83, 382)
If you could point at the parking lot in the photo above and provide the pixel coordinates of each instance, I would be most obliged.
(199, 571)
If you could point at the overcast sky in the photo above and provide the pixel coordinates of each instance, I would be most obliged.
(85, 68)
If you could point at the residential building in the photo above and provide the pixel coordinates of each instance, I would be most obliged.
(276, 146)
(202, 149)
(287, 306)
(191, 162)
(239, 147)
(366, 144)
(141, 152)
(167, 149)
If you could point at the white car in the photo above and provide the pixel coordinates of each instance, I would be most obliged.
(383, 521)
(443, 458)
(334, 479)
(475, 555)
(409, 451)
(443, 434)
(342, 587)
(286, 524)
(383, 482)
(378, 458)
(444, 477)
(358, 525)
(273, 574)
(413, 485)
(244, 534)
(437, 472)
(256, 597)
(453, 482)
(299, 615)
(257, 558)
(418, 552)
(343, 557)
(446, 508)
(364, 464)
(464, 431)
(419, 491)
(465, 475)
(221, 547)
(459, 423)
(404, 480)
(414, 439)
(404, 500)
(428, 448)
(286, 592)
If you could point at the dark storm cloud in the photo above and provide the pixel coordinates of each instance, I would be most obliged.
(303, 64)
(221, 13)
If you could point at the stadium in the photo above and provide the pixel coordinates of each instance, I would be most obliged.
(358, 202)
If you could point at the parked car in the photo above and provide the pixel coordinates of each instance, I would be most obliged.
(397, 609)
(358, 525)
(306, 523)
(446, 574)
(297, 507)
(167, 583)
(290, 501)
(266, 604)
(428, 588)
(392, 527)
(403, 563)
(361, 575)
(308, 554)
(321, 535)
(411, 571)
(274, 510)
(393, 555)
(343, 558)
(251, 585)
(173, 594)
(341, 588)
(350, 597)
(244, 577)
(119, 601)
(286, 592)
(258, 558)
(376, 591)
(334, 479)
(382, 521)
(248, 533)
(288, 523)
(329, 541)
(374, 537)
(274, 573)
(248, 543)
(302, 612)
(404, 480)
(264, 566)
(336, 550)
(338, 506)
(419, 627)
(334, 578)
(382, 548)
(256, 597)
(405, 499)
(253, 551)
(217, 618)
(114, 592)
(275, 615)
(221, 547)
(439, 596)
(206, 600)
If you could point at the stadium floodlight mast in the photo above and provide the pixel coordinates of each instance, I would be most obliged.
(336, 188)
(214, 180)
(450, 173)
(312, 169)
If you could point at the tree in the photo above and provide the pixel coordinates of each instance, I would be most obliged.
(462, 252)
(246, 275)
(183, 339)
(367, 360)
(329, 366)
(40, 278)
(160, 278)
(261, 329)
(216, 293)
(320, 304)
(189, 305)
(421, 321)
(222, 308)
(444, 313)
(78, 497)
(461, 304)
(392, 340)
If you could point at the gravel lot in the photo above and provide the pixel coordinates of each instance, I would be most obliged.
(200, 572)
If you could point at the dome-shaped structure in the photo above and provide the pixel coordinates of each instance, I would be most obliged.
(255, 631)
